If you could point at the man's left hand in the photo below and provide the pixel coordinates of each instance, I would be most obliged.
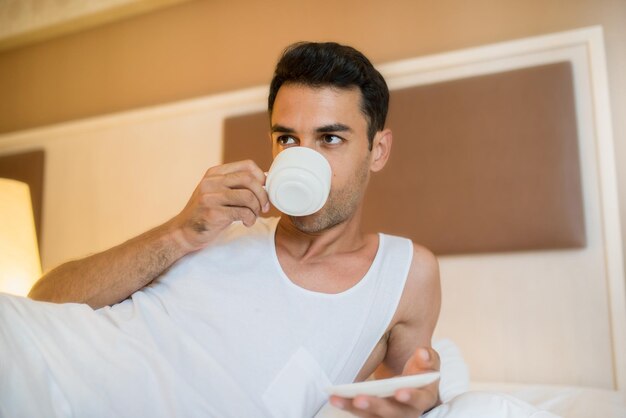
(405, 403)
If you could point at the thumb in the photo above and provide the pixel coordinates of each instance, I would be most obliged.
(424, 359)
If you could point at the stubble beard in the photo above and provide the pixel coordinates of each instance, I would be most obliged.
(340, 206)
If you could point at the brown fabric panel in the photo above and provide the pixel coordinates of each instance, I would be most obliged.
(246, 137)
(29, 168)
(481, 164)
(484, 164)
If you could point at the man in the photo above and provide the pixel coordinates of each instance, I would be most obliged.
(284, 307)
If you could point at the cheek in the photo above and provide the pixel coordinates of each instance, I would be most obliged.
(342, 175)
(347, 171)
(338, 169)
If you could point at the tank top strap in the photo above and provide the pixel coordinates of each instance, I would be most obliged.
(395, 256)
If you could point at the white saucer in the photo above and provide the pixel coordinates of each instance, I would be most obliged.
(383, 387)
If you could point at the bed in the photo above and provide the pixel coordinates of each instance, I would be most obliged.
(510, 181)
(543, 320)
(571, 401)
(548, 325)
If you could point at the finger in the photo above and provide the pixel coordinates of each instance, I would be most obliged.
(372, 406)
(419, 399)
(237, 180)
(346, 404)
(423, 359)
(231, 198)
(386, 407)
(216, 202)
(242, 198)
(241, 179)
(245, 165)
(245, 215)
(246, 180)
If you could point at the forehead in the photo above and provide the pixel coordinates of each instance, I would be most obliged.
(297, 103)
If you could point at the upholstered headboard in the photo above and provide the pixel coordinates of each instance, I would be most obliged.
(480, 164)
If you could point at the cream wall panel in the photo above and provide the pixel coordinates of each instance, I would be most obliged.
(108, 179)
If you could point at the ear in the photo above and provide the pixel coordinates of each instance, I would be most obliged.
(381, 148)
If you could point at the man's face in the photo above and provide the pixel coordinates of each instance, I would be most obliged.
(330, 121)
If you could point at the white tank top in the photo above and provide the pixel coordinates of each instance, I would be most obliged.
(281, 343)
(223, 333)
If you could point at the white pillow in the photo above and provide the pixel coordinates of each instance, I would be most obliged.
(454, 371)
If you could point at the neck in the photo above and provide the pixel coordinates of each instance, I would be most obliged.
(344, 237)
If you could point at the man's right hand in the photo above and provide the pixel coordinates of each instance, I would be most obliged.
(227, 193)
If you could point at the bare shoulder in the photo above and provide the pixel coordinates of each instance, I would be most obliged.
(424, 266)
(422, 283)
(421, 299)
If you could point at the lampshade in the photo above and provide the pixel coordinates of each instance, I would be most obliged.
(19, 256)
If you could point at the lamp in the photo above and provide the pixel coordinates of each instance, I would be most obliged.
(19, 256)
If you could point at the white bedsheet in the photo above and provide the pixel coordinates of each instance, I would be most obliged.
(66, 360)
(472, 404)
(562, 401)
(565, 401)
(48, 350)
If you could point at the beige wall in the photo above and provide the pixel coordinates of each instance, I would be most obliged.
(202, 47)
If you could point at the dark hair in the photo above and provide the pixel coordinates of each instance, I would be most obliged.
(331, 64)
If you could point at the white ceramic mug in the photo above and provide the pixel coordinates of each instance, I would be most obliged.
(298, 182)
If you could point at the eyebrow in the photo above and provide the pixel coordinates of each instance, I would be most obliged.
(281, 128)
(335, 127)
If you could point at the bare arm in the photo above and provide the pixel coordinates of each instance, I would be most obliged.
(418, 313)
(227, 193)
(111, 276)
(409, 348)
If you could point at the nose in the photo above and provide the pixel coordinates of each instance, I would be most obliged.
(302, 143)
(308, 142)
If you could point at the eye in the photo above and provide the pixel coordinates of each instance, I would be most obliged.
(286, 140)
(332, 139)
